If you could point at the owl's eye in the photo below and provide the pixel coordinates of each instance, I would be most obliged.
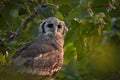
(59, 26)
(50, 25)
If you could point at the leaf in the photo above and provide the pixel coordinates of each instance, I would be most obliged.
(72, 34)
(14, 12)
(12, 43)
(59, 15)
(69, 51)
(60, 2)
(84, 3)
(45, 11)
(79, 12)
(2, 59)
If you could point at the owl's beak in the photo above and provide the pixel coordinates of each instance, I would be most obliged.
(54, 30)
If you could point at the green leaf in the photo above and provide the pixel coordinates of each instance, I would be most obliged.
(45, 11)
(2, 59)
(79, 12)
(84, 3)
(59, 15)
(14, 12)
(73, 33)
(70, 49)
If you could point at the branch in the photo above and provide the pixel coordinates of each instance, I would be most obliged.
(27, 18)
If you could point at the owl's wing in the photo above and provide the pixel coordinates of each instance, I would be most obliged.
(19, 51)
(37, 58)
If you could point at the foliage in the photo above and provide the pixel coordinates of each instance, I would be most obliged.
(91, 45)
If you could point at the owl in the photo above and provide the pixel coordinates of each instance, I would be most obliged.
(42, 56)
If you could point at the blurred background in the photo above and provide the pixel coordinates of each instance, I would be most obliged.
(92, 45)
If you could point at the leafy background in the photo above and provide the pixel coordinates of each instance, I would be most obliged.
(92, 45)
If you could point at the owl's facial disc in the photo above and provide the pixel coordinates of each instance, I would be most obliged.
(53, 26)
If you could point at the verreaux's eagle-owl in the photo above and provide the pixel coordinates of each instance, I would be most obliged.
(42, 56)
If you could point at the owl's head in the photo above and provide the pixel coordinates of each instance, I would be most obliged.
(53, 26)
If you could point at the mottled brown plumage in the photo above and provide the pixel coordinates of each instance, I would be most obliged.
(44, 55)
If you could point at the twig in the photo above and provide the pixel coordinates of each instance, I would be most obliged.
(27, 18)
(12, 35)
